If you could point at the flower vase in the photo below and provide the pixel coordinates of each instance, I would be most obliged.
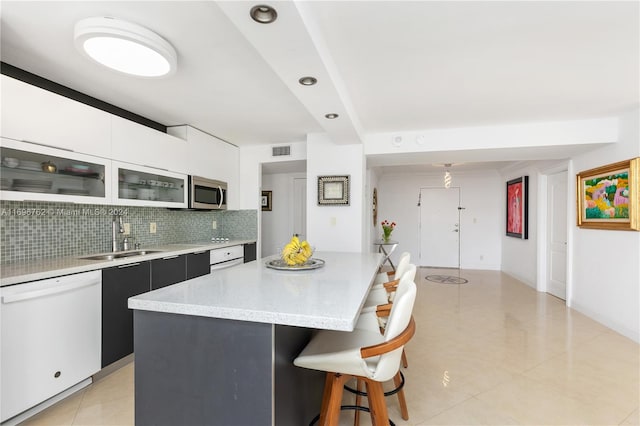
(386, 237)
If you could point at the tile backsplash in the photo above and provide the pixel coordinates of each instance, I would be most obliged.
(37, 230)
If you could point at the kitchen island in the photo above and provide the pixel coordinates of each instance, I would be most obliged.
(218, 349)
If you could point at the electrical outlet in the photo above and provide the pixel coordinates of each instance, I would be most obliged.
(333, 221)
(127, 229)
(152, 227)
(214, 225)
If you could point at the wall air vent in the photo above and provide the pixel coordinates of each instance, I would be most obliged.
(278, 151)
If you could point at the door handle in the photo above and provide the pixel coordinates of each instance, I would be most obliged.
(456, 230)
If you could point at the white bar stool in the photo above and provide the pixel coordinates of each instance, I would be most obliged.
(363, 354)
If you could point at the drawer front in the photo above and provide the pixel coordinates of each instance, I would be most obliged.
(227, 253)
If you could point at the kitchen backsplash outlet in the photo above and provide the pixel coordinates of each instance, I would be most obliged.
(38, 230)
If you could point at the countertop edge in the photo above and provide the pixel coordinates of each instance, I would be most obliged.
(241, 315)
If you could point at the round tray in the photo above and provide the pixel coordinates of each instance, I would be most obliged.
(280, 265)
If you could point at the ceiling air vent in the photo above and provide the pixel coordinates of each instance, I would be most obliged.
(278, 151)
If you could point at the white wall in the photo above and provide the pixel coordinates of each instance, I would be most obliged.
(251, 160)
(606, 267)
(520, 257)
(277, 224)
(480, 223)
(335, 228)
(250, 177)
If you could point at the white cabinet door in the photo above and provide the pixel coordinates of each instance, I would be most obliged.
(35, 115)
(137, 144)
(135, 185)
(212, 158)
(73, 178)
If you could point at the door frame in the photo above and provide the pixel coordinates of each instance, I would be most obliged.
(542, 249)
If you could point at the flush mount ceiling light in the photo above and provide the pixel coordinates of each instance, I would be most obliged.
(263, 14)
(331, 116)
(308, 81)
(125, 47)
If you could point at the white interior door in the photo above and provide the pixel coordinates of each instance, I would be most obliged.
(440, 227)
(557, 235)
(300, 207)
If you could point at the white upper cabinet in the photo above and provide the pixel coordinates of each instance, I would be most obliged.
(36, 172)
(35, 115)
(212, 158)
(144, 146)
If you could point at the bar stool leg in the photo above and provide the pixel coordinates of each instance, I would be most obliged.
(356, 418)
(405, 363)
(331, 399)
(401, 400)
(377, 404)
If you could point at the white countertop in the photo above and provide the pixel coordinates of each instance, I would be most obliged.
(326, 298)
(16, 273)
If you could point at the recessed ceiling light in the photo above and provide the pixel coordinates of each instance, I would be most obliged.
(263, 14)
(331, 116)
(308, 81)
(125, 47)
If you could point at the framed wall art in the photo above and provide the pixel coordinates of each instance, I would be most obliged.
(517, 207)
(266, 201)
(333, 190)
(608, 197)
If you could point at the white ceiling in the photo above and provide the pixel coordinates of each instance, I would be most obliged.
(384, 66)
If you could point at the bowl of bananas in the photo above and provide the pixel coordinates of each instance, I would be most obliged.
(296, 255)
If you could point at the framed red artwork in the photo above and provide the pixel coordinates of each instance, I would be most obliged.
(517, 207)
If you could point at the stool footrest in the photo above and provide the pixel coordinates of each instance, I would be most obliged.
(391, 392)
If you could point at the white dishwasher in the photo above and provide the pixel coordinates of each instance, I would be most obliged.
(51, 336)
(226, 257)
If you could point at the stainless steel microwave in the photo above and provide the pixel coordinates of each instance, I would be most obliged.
(207, 194)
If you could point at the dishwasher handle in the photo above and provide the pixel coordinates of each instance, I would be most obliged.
(227, 264)
(54, 289)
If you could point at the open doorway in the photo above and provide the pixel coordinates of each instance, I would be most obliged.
(288, 210)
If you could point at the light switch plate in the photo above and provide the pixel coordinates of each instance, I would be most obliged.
(127, 229)
(152, 227)
(214, 225)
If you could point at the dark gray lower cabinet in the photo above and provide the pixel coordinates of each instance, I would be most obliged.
(168, 270)
(119, 284)
(249, 252)
(198, 264)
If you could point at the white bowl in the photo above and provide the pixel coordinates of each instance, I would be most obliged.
(131, 178)
(128, 193)
(10, 162)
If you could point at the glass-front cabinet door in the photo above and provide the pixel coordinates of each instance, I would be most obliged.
(33, 172)
(147, 186)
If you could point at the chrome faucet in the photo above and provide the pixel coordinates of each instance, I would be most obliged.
(114, 242)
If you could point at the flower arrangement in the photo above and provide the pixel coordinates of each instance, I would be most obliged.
(387, 228)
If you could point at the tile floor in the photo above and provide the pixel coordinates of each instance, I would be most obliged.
(492, 351)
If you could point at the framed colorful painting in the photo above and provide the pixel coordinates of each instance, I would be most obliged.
(517, 207)
(608, 196)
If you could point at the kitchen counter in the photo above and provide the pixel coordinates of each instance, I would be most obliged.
(218, 349)
(253, 292)
(16, 273)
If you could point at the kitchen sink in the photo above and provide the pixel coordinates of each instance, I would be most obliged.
(119, 255)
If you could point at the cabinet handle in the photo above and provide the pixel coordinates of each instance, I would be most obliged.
(48, 146)
(200, 252)
(128, 265)
(170, 257)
